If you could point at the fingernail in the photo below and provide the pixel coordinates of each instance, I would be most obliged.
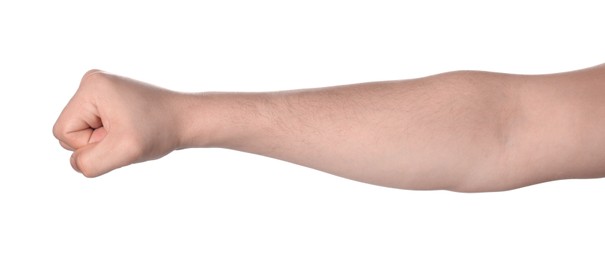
(73, 163)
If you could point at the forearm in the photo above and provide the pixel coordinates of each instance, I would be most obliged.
(439, 132)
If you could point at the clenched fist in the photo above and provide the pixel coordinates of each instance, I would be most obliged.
(113, 121)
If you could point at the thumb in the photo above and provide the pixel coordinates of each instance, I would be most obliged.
(95, 159)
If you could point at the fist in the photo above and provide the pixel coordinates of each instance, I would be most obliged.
(113, 121)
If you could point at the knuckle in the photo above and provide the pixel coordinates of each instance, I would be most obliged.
(93, 73)
(94, 77)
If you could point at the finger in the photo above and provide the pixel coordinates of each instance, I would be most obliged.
(66, 146)
(97, 135)
(74, 164)
(80, 116)
(76, 124)
(77, 139)
(92, 136)
(98, 158)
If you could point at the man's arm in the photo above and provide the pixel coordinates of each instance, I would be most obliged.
(462, 131)
(561, 131)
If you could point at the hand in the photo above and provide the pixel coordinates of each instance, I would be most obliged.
(114, 121)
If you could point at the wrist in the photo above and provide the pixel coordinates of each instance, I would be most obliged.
(223, 120)
(191, 130)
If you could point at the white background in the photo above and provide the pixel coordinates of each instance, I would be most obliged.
(220, 204)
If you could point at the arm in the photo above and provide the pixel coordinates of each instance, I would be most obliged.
(463, 131)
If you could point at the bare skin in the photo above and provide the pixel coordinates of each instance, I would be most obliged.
(463, 131)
